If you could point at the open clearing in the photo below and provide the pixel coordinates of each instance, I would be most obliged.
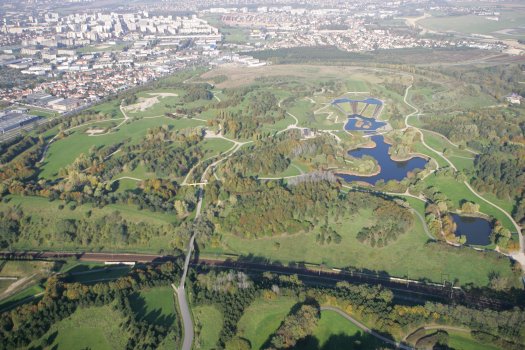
(262, 318)
(155, 305)
(334, 332)
(65, 151)
(208, 322)
(88, 328)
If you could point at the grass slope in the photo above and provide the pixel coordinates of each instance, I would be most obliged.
(334, 332)
(208, 321)
(262, 318)
(88, 328)
(155, 305)
(409, 255)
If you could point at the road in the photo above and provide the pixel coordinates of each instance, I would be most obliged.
(181, 292)
(366, 329)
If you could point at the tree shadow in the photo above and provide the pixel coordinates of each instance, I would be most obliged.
(340, 341)
(309, 301)
(139, 306)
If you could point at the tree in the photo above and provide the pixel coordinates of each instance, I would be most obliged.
(238, 343)
(296, 326)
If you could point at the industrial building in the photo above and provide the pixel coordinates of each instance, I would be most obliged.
(14, 119)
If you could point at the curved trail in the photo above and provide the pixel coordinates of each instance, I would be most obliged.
(180, 292)
(437, 327)
(366, 329)
(518, 256)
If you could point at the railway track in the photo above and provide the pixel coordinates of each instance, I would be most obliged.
(413, 289)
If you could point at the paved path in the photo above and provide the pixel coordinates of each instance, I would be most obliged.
(366, 329)
(180, 291)
(518, 256)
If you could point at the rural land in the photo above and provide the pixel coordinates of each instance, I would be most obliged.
(248, 175)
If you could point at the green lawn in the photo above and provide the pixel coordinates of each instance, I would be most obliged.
(20, 268)
(213, 147)
(334, 332)
(208, 322)
(155, 305)
(464, 341)
(110, 108)
(262, 318)
(88, 328)
(158, 108)
(409, 255)
(39, 206)
(458, 192)
(65, 151)
(475, 24)
(42, 206)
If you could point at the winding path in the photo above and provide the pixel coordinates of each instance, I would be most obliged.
(365, 328)
(518, 256)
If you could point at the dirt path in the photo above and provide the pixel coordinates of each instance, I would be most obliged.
(15, 285)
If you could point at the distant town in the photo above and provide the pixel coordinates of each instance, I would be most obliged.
(62, 63)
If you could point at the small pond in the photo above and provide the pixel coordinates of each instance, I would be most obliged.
(365, 124)
(477, 230)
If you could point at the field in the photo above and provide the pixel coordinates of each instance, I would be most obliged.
(155, 306)
(457, 192)
(471, 24)
(88, 328)
(335, 332)
(464, 341)
(409, 256)
(38, 206)
(262, 318)
(208, 322)
(97, 274)
(65, 151)
(21, 297)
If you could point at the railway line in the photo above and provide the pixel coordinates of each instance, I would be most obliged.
(406, 288)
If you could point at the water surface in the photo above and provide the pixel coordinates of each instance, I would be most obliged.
(390, 169)
(477, 230)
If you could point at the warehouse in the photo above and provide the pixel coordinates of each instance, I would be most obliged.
(11, 120)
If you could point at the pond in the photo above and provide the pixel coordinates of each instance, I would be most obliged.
(366, 124)
(390, 169)
(477, 230)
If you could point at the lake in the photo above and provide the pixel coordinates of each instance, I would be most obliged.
(390, 169)
(477, 230)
